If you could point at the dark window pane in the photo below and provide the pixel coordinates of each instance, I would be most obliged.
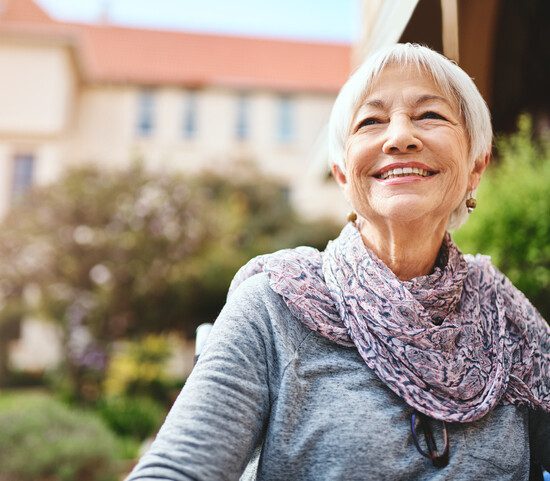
(146, 107)
(23, 174)
(190, 115)
(285, 123)
(242, 125)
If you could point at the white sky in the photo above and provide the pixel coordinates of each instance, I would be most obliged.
(322, 20)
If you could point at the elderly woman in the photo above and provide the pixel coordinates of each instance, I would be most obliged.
(390, 355)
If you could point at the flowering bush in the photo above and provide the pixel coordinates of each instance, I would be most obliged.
(139, 368)
(119, 254)
(511, 222)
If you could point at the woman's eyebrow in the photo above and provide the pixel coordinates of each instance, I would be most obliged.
(380, 104)
(429, 98)
(376, 103)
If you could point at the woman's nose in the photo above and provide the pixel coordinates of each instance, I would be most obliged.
(401, 137)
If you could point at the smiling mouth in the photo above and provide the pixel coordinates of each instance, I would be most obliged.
(405, 172)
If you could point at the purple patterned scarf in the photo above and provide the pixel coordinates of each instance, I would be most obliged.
(452, 344)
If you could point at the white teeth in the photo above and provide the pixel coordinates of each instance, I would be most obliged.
(400, 172)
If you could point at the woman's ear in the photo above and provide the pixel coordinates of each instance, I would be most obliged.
(338, 175)
(478, 168)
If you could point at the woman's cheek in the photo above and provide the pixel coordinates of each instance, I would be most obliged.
(359, 195)
(353, 187)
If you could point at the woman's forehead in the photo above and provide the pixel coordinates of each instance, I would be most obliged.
(415, 83)
(394, 77)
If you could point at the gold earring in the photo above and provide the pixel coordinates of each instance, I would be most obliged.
(352, 217)
(470, 203)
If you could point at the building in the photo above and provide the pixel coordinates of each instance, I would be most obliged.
(80, 93)
(77, 93)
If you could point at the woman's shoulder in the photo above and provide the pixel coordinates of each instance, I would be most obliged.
(256, 304)
(483, 263)
(482, 268)
(254, 297)
(518, 307)
(284, 260)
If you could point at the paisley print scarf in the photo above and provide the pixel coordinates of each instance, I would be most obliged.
(452, 344)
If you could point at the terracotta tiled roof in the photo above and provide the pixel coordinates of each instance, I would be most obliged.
(151, 57)
(110, 54)
(22, 10)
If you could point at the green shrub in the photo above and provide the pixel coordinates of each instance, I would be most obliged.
(40, 438)
(512, 221)
(18, 378)
(138, 417)
(139, 369)
(128, 448)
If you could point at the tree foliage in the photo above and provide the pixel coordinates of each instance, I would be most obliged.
(512, 221)
(120, 254)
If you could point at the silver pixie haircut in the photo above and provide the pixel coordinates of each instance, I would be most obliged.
(449, 77)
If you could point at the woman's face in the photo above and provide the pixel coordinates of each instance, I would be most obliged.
(407, 153)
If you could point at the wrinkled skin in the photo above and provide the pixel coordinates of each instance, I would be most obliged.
(406, 118)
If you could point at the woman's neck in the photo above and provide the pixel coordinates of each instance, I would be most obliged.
(408, 250)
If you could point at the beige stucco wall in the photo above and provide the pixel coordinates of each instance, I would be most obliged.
(102, 129)
(106, 133)
(47, 113)
(36, 88)
(107, 117)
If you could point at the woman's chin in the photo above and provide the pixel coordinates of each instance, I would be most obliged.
(406, 210)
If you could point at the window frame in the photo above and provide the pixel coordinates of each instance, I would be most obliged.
(242, 117)
(23, 174)
(286, 119)
(190, 125)
(145, 113)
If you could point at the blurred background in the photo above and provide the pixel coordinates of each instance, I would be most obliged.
(148, 149)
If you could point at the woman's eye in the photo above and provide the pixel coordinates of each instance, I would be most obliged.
(368, 121)
(431, 115)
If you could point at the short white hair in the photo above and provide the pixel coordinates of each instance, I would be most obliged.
(448, 76)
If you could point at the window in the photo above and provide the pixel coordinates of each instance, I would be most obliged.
(23, 175)
(146, 108)
(285, 192)
(190, 115)
(243, 121)
(285, 119)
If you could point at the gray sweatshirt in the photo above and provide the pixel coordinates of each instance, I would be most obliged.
(275, 400)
